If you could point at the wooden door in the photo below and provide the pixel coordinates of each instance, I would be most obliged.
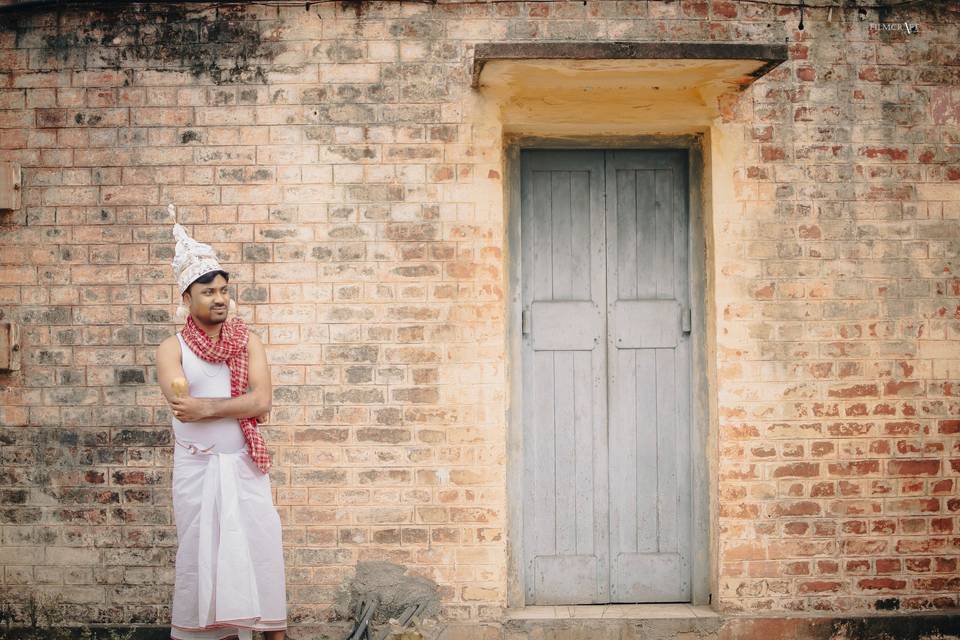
(564, 360)
(606, 511)
(649, 377)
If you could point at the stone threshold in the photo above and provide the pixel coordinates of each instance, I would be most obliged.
(612, 612)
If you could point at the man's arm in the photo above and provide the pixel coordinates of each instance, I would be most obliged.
(256, 402)
(169, 366)
(258, 399)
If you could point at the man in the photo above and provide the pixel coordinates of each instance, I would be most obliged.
(229, 578)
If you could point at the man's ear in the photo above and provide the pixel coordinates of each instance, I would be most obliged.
(183, 308)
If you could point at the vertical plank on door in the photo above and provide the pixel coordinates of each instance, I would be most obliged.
(583, 271)
(666, 218)
(624, 448)
(626, 232)
(539, 236)
(564, 458)
(646, 488)
(543, 447)
(561, 238)
(668, 491)
(645, 240)
(584, 449)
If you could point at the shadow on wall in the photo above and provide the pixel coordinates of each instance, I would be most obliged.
(223, 43)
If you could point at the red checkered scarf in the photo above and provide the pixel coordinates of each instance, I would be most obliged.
(232, 349)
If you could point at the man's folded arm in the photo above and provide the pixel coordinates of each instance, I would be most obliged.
(258, 399)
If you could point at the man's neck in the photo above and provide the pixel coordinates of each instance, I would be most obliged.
(212, 330)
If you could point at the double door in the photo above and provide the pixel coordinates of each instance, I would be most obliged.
(606, 376)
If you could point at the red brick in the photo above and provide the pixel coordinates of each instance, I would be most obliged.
(853, 391)
(859, 468)
(913, 467)
(771, 153)
(819, 586)
(797, 470)
(949, 427)
(881, 584)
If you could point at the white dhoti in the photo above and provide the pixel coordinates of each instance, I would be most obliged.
(229, 570)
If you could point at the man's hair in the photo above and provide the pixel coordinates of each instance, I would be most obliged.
(207, 278)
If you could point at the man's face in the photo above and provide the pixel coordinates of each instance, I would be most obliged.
(208, 302)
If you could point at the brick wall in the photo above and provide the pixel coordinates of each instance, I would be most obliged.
(330, 157)
(837, 328)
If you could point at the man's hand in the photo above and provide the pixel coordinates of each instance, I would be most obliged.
(190, 409)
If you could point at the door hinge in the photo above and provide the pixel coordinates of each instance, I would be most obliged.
(686, 320)
(525, 322)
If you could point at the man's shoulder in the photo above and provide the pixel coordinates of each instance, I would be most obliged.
(170, 344)
(253, 338)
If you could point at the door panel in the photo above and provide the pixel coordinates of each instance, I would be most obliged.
(646, 324)
(655, 575)
(567, 326)
(647, 284)
(565, 528)
(606, 507)
(561, 579)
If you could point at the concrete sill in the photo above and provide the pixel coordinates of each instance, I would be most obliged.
(612, 612)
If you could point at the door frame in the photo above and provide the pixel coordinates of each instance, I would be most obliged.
(703, 543)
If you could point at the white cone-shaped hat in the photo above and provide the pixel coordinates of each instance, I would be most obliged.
(193, 259)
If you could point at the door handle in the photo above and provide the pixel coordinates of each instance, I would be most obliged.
(686, 320)
(525, 322)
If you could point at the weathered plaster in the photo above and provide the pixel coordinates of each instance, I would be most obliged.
(611, 97)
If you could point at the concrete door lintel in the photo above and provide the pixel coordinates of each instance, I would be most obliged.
(623, 88)
(767, 56)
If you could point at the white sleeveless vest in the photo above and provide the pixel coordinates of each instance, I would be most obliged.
(207, 380)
